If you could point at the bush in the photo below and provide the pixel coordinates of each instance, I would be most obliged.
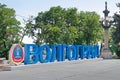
(118, 53)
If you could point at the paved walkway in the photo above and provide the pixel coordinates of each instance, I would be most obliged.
(96, 69)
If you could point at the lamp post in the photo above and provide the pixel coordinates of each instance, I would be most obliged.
(106, 23)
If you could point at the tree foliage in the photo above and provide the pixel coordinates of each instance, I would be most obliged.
(9, 30)
(55, 26)
(116, 32)
(90, 30)
(60, 25)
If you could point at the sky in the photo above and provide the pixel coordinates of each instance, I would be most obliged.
(26, 8)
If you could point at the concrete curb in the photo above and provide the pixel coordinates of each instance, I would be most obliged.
(38, 65)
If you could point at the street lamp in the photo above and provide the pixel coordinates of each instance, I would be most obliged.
(106, 23)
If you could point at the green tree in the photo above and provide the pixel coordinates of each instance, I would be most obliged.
(90, 30)
(70, 35)
(9, 30)
(71, 17)
(57, 16)
(116, 34)
(54, 35)
(50, 22)
(68, 26)
(27, 30)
